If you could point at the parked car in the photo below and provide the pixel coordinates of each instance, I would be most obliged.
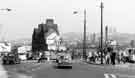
(11, 58)
(22, 56)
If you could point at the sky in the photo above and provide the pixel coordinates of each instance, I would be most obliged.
(27, 14)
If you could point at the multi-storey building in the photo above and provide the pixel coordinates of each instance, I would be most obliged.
(45, 37)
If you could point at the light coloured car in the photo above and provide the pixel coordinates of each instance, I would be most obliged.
(22, 57)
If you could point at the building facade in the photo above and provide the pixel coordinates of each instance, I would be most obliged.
(45, 36)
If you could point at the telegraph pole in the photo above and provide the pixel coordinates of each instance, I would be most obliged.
(106, 35)
(101, 31)
(84, 36)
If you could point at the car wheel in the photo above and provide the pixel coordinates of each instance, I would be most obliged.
(4, 62)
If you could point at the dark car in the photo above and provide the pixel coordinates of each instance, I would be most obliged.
(64, 61)
(10, 58)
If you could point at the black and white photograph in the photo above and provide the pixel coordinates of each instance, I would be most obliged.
(67, 39)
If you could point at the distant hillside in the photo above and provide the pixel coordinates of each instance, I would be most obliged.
(122, 38)
(21, 41)
(71, 36)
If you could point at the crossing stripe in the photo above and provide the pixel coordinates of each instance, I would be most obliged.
(107, 75)
(113, 76)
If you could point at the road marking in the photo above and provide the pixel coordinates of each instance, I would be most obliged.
(106, 75)
(113, 76)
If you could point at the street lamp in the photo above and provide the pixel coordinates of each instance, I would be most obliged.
(7, 9)
(84, 35)
(101, 6)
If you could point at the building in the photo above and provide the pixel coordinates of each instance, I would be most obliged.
(5, 47)
(24, 49)
(45, 37)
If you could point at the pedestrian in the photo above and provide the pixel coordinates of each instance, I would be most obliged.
(40, 57)
(113, 57)
(107, 57)
(119, 57)
(90, 56)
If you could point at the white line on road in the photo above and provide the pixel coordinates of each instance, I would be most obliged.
(113, 76)
(107, 75)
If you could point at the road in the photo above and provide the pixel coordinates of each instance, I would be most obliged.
(79, 70)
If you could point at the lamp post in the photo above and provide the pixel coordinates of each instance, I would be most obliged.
(84, 35)
(101, 6)
(7, 9)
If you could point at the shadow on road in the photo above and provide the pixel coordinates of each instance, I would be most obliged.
(62, 67)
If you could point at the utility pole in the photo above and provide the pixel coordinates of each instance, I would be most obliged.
(101, 31)
(106, 35)
(84, 36)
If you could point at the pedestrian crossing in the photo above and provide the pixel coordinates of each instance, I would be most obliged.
(106, 75)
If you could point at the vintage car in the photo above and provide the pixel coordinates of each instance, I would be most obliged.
(10, 58)
(64, 60)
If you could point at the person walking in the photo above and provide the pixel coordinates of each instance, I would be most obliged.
(107, 57)
(113, 57)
